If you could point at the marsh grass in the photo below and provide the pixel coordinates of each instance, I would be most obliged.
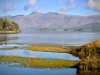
(47, 48)
(44, 48)
(38, 62)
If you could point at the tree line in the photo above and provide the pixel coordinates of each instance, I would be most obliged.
(7, 25)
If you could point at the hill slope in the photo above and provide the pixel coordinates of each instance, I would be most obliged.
(51, 20)
(94, 27)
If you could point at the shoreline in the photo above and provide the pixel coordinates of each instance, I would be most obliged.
(10, 32)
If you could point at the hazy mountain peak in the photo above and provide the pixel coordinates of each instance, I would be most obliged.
(52, 13)
(52, 19)
(35, 13)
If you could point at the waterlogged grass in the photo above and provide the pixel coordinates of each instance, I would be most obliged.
(44, 48)
(47, 48)
(38, 62)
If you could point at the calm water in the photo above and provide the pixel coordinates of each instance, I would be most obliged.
(27, 53)
(6, 70)
(63, 39)
(51, 38)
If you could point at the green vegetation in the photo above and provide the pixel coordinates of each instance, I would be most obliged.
(38, 62)
(90, 56)
(87, 50)
(47, 48)
(6, 25)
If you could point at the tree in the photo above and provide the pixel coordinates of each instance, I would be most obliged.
(6, 24)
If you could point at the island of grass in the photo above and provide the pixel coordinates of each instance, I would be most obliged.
(38, 62)
(47, 48)
(8, 27)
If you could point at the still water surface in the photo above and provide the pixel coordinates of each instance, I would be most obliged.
(63, 39)
(6, 70)
(27, 53)
(78, 38)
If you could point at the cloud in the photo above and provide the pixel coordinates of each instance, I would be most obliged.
(27, 53)
(69, 4)
(14, 7)
(26, 7)
(59, 2)
(94, 4)
(38, 8)
(63, 9)
(30, 4)
(15, 53)
(9, 6)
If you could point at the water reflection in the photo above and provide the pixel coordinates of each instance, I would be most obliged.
(50, 38)
(27, 53)
(4, 38)
(6, 70)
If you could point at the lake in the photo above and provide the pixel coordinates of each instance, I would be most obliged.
(61, 38)
(57, 38)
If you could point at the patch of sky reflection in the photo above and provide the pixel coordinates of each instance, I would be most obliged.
(27, 53)
(7, 70)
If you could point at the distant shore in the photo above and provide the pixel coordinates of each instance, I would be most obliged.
(10, 32)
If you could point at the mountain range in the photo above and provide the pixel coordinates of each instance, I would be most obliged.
(52, 20)
(91, 27)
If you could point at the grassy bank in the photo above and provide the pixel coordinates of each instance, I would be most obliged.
(89, 55)
(38, 62)
(47, 48)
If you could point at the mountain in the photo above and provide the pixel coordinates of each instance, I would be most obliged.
(52, 20)
(91, 27)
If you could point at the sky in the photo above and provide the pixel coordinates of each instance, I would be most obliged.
(26, 7)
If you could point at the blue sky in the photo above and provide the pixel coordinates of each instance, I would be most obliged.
(25, 7)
